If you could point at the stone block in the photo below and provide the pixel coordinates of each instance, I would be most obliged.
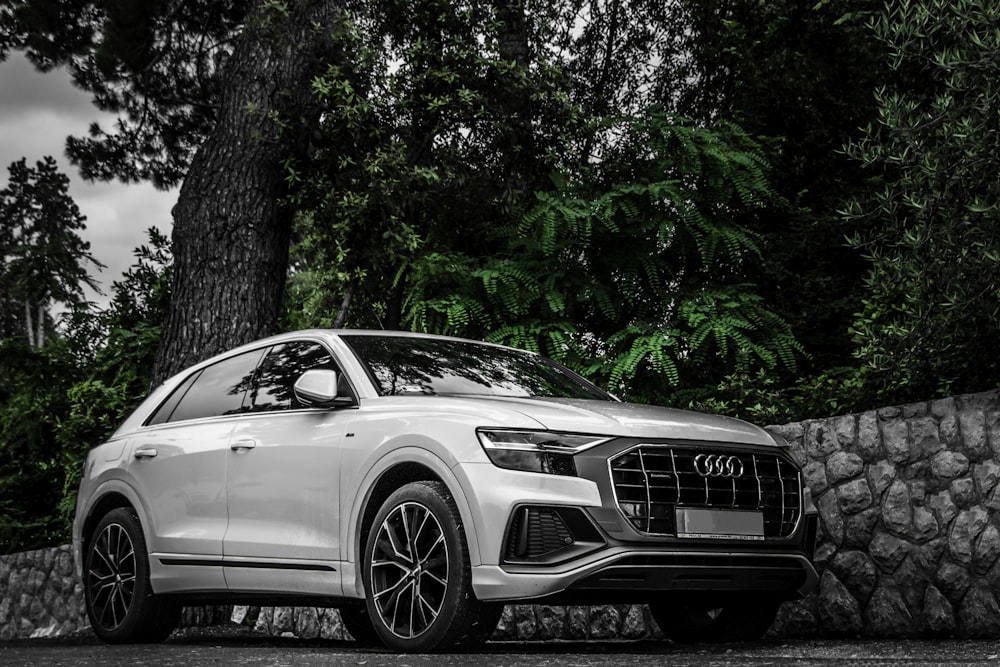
(797, 618)
(578, 622)
(869, 442)
(839, 612)
(975, 443)
(925, 437)
(953, 580)
(964, 492)
(551, 621)
(858, 527)
(915, 410)
(979, 614)
(307, 624)
(986, 474)
(888, 550)
(845, 428)
(987, 549)
(331, 625)
(880, 476)
(943, 408)
(854, 496)
(814, 474)
(831, 520)
(635, 624)
(887, 614)
(890, 413)
(925, 524)
(525, 621)
(949, 465)
(820, 440)
(605, 622)
(982, 401)
(897, 514)
(965, 529)
(937, 614)
(843, 465)
(856, 571)
(950, 434)
(896, 440)
(943, 506)
(993, 431)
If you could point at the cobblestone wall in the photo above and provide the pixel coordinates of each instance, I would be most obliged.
(909, 544)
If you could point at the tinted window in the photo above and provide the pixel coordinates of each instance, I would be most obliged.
(410, 365)
(282, 366)
(219, 390)
(166, 408)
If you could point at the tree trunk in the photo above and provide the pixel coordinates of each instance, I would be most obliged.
(231, 231)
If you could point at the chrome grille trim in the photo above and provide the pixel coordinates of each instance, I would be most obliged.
(775, 488)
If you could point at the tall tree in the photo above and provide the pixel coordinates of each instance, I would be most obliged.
(232, 227)
(216, 94)
(43, 260)
(932, 305)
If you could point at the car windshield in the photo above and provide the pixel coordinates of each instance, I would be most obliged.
(413, 365)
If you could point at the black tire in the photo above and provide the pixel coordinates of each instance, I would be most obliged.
(120, 602)
(737, 620)
(359, 625)
(417, 577)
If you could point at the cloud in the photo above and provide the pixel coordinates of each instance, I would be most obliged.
(37, 112)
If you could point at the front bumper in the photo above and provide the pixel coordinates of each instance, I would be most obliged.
(607, 559)
(635, 575)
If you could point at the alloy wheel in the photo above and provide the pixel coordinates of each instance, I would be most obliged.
(409, 570)
(112, 575)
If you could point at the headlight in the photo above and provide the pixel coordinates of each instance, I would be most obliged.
(536, 451)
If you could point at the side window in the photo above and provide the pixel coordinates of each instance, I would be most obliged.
(281, 368)
(219, 390)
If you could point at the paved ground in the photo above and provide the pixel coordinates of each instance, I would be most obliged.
(231, 646)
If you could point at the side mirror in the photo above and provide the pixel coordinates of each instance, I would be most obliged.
(318, 388)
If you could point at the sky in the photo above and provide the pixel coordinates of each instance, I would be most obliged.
(37, 113)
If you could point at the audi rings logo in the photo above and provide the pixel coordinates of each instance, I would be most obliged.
(718, 465)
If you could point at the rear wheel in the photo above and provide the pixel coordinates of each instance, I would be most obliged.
(417, 575)
(120, 602)
(737, 620)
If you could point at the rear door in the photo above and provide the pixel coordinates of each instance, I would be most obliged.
(178, 465)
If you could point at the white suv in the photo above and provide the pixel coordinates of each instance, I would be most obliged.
(420, 482)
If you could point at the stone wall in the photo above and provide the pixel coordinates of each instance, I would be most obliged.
(40, 596)
(909, 544)
(908, 501)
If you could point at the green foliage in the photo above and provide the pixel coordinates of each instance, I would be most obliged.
(67, 396)
(637, 276)
(931, 228)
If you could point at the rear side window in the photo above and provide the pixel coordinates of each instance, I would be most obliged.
(283, 365)
(216, 391)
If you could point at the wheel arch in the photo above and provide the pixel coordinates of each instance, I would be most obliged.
(402, 467)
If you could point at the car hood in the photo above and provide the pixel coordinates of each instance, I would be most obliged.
(633, 420)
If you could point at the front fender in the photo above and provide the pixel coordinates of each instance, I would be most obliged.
(403, 455)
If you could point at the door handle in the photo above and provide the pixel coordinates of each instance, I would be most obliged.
(244, 444)
(145, 453)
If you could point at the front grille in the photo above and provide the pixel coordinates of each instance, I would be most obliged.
(651, 481)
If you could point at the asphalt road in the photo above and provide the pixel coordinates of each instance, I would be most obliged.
(228, 646)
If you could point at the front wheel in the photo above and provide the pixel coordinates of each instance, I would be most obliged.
(417, 575)
(120, 602)
(737, 620)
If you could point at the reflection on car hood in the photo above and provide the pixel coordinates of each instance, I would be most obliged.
(633, 420)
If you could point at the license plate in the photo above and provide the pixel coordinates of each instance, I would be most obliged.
(720, 524)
